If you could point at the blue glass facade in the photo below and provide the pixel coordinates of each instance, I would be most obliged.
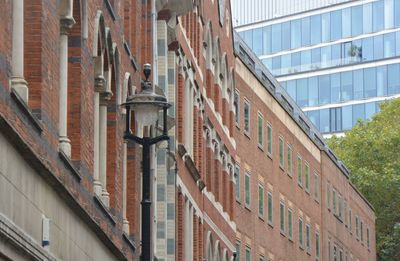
(329, 45)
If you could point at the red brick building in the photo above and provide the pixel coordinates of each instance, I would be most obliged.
(70, 185)
(294, 200)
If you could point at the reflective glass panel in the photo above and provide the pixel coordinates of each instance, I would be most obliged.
(393, 79)
(378, 47)
(398, 43)
(369, 110)
(302, 92)
(316, 58)
(381, 80)
(336, 25)
(248, 38)
(335, 87)
(346, 86)
(295, 27)
(369, 82)
(367, 18)
(314, 117)
(286, 36)
(356, 20)
(325, 27)
(276, 38)
(358, 84)
(324, 89)
(358, 113)
(368, 49)
(316, 29)
(286, 63)
(346, 22)
(305, 60)
(267, 40)
(347, 52)
(335, 55)
(296, 62)
(305, 31)
(325, 56)
(389, 44)
(257, 41)
(276, 65)
(347, 117)
(268, 63)
(356, 51)
(313, 92)
(389, 19)
(377, 16)
(324, 121)
(397, 13)
(291, 88)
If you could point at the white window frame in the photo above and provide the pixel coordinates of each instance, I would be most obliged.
(307, 177)
(237, 178)
(289, 160)
(270, 208)
(247, 130)
(269, 139)
(260, 125)
(299, 159)
(290, 224)
(282, 212)
(247, 204)
(261, 187)
(281, 160)
(237, 107)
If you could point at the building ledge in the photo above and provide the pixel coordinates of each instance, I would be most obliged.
(27, 111)
(105, 210)
(70, 165)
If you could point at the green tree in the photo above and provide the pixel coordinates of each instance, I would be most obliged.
(371, 150)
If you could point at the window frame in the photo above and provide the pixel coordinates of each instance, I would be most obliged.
(307, 177)
(261, 211)
(317, 245)
(299, 170)
(237, 104)
(247, 175)
(282, 211)
(316, 187)
(269, 139)
(308, 238)
(281, 149)
(260, 126)
(289, 160)
(270, 202)
(290, 223)
(237, 185)
(300, 233)
(246, 103)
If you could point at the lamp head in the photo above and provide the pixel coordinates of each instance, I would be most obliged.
(147, 70)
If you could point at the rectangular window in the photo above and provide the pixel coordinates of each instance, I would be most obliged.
(388, 16)
(260, 130)
(334, 201)
(397, 13)
(277, 42)
(260, 201)
(248, 254)
(290, 223)
(247, 190)
(261, 258)
(316, 186)
(389, 45)
(326, 24)
(346, 22)
(367, 18)
(281, 152)
(269, 138)
(350, 222)
(289, 160)
(317, 245)
(356, 20)
(340, 206)
(329, 250)
(328, 195)
(267, 40)
(334, 253)
(299, 171)
(295, 28)
(307, 176)
(305, 31)
(368, 242)
(257, 41)
(362, 231)
(301, 232)
(308, 245)
(237, 250)
(270, 208)
(282, 216)
(237, 179)
(302, 92)
(393, 79)
(378, 47)
(285, 36)
(236, 105)
(336, 25)
(346, 80)
(324, 89)
(377, 16)
(357, 229)
(316, 29)
(246, 117)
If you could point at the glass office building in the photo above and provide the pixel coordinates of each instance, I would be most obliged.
(338, 62)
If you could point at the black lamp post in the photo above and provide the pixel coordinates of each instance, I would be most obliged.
(146, 106)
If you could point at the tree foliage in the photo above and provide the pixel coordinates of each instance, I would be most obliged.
(371, 150)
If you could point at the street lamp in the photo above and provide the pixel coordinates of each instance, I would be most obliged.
(146, 106)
